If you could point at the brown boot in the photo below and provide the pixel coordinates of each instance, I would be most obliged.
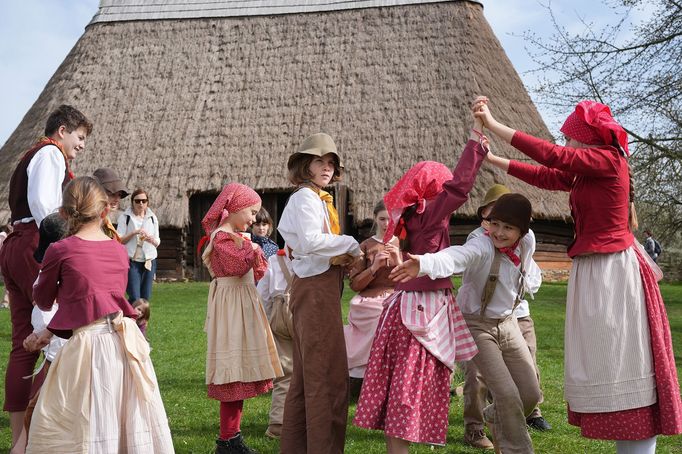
(274, 431)
(477, 439)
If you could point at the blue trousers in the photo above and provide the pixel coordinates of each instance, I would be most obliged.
(140, 281)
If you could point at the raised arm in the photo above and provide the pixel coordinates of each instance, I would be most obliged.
(594, 161)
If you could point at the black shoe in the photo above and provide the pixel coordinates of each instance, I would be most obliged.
(234, 445)
(538, 423)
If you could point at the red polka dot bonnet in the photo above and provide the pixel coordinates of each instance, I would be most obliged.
(422, 182)
(232, 198)
(593, 124)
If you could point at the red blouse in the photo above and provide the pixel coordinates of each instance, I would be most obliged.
(228, 259)
(598, 180)
(87, 278)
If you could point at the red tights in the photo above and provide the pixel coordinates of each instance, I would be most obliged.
(230, 418)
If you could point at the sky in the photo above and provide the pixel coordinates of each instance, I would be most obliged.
(36, 36)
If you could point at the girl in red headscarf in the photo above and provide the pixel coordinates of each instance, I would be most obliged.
(620, 376)
(421, 331)
(241, 358)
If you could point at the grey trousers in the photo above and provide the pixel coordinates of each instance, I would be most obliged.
(507, 367)
(476, 395)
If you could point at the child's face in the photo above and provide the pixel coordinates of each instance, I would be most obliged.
(243, 219)
(261, 229)
(322, 169)
(72, 142)
(381, 220)
(503, 234)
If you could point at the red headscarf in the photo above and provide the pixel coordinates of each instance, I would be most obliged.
(422, 182)
(232, 198)
(592, 124)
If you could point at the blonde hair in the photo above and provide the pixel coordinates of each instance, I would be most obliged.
(83, 201)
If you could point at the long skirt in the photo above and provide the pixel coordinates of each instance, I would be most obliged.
(241, 357)
(406, 390)
(101, 395)
(621, 380)
(363, 318)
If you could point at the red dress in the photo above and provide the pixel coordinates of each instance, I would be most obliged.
(228, 259)
(598, 181)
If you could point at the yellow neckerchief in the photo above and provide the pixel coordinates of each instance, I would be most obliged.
(109, 230)
(331, 209)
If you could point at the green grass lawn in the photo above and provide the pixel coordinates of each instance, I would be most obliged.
(178, 341)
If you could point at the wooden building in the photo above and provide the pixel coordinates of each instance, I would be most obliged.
(186, 96)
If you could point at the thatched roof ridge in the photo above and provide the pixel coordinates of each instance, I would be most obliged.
(184, 106)
(126, 10)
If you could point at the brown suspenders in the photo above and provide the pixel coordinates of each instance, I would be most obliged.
(493, 277)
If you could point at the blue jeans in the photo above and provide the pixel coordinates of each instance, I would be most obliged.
(140, 281)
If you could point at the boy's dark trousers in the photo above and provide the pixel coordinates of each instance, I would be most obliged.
(316, 407)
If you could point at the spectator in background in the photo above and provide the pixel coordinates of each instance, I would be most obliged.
(261, 231)
(651, 246)
(138, 228)
(116, 190)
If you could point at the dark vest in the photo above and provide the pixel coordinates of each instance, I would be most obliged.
(18, 185)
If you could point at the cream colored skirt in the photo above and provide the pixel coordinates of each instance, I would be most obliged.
(607, 345)
(101, 395)
(240, 344)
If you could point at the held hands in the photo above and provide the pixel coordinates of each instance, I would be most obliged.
(36, 341)
(481, 112)
(406, 271)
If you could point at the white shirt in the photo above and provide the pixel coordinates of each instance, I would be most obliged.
(303, 226)
(474, 259)
(40, 319)
(45, 176)
(523, 309)
(273, 282)
(150, 224)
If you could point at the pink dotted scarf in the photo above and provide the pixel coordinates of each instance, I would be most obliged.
(422, 182)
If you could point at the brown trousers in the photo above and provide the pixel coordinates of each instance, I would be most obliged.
(476, 395)
(508, 370)
(316, 407)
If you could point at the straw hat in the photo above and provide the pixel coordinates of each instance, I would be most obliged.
(495, 192)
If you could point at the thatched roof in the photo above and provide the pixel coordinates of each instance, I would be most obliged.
(184, 106)
(126, 10)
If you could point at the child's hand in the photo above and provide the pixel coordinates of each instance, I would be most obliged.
(36, 341)
(395, 257)
(407, 270)
(481, 111)
(379, 261)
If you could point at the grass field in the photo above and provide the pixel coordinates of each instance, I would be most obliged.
(178, 341)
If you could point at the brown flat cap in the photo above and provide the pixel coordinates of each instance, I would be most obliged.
(110, 180)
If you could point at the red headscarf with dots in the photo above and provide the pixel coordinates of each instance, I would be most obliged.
(233, 197)
(592, 124)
